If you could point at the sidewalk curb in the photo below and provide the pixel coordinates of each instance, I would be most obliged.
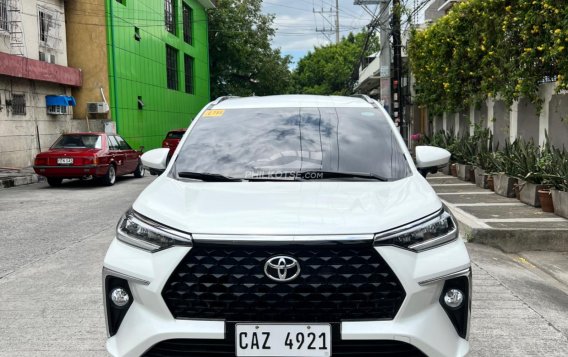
(509, 240)
(19, 181)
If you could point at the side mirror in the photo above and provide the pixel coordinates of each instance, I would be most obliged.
(431, 156)
(156, 159)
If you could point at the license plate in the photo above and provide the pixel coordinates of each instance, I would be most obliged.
(65, 161)
(286, 340)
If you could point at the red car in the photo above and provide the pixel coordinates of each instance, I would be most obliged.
(172, 140)
(88, 155)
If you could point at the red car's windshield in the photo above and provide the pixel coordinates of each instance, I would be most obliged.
(175, 135)
(70, 141)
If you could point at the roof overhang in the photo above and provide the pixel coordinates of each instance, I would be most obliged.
(208, 4)
(447, 5)
(23, 67)
(368, 84)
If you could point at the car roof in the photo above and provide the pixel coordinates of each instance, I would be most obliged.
(293, 101)
(87, 133)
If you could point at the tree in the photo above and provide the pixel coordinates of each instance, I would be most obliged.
(241, 58)
(331, 69)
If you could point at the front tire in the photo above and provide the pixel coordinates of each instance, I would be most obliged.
(54, 181)
(139, 172)
(110, 178)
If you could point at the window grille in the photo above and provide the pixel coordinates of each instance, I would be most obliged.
(49, 26)
(19, 104)
(188, 64)
(4, 23)
(170, 14)
(187, 24)
(172, 67)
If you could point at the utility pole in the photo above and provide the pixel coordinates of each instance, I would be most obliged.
(327, 27)
(397, 98)
(336, 21)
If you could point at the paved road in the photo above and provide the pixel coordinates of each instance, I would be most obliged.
(52, 242)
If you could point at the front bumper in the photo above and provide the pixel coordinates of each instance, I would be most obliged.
(421, 320)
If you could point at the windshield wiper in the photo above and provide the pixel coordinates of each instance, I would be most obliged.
(206, 176)
(314, 175)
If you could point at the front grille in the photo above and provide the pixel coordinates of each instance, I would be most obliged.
(338, 281)
(339, 348)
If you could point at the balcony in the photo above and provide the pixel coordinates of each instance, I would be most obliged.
(369, 77)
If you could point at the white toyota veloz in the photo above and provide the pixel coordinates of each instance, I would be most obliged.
(289, 226)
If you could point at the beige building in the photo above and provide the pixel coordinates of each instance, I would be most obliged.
(33, 65)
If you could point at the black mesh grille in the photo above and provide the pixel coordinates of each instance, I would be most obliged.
(338, 281)
(339, 348)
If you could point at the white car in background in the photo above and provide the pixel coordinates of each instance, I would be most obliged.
(289, 226)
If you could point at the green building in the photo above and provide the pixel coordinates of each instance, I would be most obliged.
(147, 59)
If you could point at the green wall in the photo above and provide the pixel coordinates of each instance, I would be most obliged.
(138, 68)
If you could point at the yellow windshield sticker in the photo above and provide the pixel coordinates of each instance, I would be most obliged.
(214, 113)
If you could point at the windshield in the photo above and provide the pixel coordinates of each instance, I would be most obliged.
(245, 143)
(70, 141)
(175, 135)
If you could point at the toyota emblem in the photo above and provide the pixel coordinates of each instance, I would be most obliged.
(282, 268)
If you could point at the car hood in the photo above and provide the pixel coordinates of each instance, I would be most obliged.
(287, 208)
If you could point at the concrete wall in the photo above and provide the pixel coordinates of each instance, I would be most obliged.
(480, 115)
(87, 50)
(521, 120)
(558, 124)
(23, 136)
(527, 121)
(27, 20)
(438, 123)
(501, 122)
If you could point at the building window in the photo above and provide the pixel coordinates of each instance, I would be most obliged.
(172, 67)
(187, 24)
(19, 104)
(122, 2)
(170, 13)
(188, 64)
(48, 25)
(4, 15)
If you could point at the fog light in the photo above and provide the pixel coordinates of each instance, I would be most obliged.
(453, 298)
(119, 297)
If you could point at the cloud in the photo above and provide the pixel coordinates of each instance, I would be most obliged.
(296, 23)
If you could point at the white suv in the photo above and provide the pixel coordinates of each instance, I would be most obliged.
(289, 226)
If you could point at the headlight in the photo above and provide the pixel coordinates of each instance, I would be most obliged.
(426, 233)
(146, 234)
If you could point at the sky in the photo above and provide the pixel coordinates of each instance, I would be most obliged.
(299, 27)
(296, 23)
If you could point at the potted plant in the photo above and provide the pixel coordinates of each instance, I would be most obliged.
(504, 181)
(465, 154)
(560, 181)
(530, 165)
(483, 160)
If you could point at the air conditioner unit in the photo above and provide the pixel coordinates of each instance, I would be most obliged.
(56, 109)
(97, 107)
